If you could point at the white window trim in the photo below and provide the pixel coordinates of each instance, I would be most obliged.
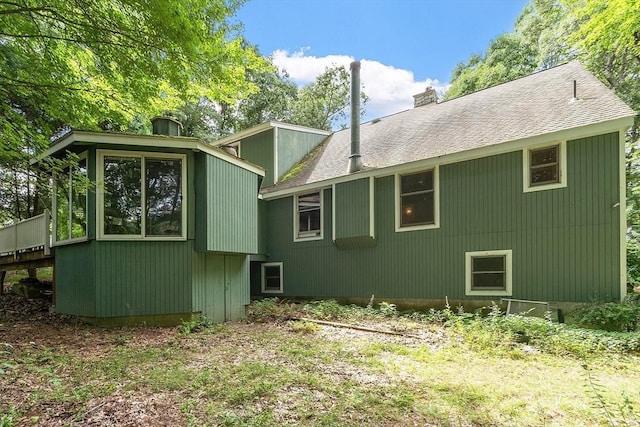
(263, 281)
(508, 274)
(436, 201)
(526, 166)
(296, 219)
(54, 207)
(100, 194)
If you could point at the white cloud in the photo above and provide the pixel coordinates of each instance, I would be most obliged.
(390, 89)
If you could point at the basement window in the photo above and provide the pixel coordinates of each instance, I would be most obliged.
(142, 195)
(488, 273)
(417, 200)
(272, 278)
(545, 167)
(308, 216)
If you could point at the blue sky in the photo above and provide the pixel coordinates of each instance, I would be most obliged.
(404, 45)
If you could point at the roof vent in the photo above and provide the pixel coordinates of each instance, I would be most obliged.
(427, 97)
(165, 125)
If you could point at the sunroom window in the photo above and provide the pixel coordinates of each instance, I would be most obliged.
(142, 195)
(70, 211)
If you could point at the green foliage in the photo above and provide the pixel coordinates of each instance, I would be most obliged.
(8, 417)
(331, 310)
(608, 316)
(270, 309)
(304, 327)
(324, 103)
(199, 324)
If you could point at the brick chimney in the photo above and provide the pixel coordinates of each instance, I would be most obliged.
(424, 98)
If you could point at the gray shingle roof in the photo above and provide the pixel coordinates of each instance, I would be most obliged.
(527, 107)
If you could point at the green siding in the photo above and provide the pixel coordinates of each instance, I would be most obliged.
(142, 278)
(220, 286)
(353, 214)
(258, 149)
(293, 146)
(226, 207)
(565, 242)
(75, 287)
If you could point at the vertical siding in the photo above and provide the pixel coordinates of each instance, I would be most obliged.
(142, 278)
(75, 279)
(352, 209)
(231, 208)
(565, 242)
(220, 286)
(258, 149)
(293, 146)
(208, 285)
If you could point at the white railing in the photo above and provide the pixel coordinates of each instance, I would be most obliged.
(29, 233)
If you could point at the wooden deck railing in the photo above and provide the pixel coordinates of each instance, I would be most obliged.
(28, 234)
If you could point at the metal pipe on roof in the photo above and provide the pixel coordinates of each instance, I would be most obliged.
(355, 161)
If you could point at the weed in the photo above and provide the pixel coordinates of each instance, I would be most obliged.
(270, 309)
(198, 324)
(303, 327)
(8, 417)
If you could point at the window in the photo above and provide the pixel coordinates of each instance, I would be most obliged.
(488, 273)
(70, 210)
(417, 202)
(308, 216)
(545, 167)
(142, 195)
(272, 278)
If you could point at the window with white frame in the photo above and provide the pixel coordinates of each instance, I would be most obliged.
(70, 202)
(545, 167)
(416, 200)
(308, 216)
(272, 277)
(143, 195)
(489, 273)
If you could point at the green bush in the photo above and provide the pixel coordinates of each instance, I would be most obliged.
(609, 316)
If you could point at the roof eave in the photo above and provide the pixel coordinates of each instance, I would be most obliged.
(621, 124)
(156, 141)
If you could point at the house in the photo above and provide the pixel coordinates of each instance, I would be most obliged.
(516, 191)
(165, 230)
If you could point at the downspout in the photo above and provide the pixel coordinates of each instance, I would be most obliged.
(355, 161)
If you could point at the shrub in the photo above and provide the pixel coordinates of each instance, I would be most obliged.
(608, 316)
(271, 309)
(198, 324)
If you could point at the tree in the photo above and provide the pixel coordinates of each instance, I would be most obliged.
(80, 62)
(324, 103)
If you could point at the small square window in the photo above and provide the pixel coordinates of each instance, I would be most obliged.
(488, 273)
(545, 167)
(272, 278)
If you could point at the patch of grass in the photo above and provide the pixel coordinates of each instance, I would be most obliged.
(479, 372)
(304, 327)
